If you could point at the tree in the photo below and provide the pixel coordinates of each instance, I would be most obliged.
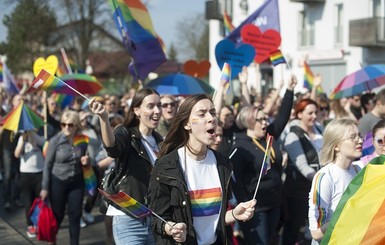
(193, 32)
(172, 53)
(83, 17)
(26, 34)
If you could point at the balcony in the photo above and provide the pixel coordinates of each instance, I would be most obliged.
(308, 1)
(368, 33)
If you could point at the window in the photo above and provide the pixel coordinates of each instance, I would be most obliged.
(306, 30)
(338, 28)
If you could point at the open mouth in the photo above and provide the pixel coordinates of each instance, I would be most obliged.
(211, 131)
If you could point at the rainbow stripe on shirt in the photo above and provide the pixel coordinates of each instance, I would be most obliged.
(206, 202)
(317, 199)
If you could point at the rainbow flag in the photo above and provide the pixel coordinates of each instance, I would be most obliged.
(229, 27)
(206, 202)
(63, 100)
(45, 81)
(81, 142)
(266, 164)
(45, 148)
(128, 204)
(1, 71)
(309, 78)
(139, 37)
(226, 75)
(276, 58)
(360, 215)
(8, 80)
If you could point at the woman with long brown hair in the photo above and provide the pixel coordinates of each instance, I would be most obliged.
(189, 185)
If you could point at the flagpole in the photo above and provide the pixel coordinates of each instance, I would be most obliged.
(263, 164)
(66, 61)
(82, 95)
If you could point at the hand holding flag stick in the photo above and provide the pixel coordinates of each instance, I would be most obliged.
(131, 206)
(266, 162)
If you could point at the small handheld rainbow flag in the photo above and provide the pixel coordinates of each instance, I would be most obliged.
(128, 204)
(1, 72)
(309, 78)
(81, 141)
(226, 74)
(229, 27)
(277, 58)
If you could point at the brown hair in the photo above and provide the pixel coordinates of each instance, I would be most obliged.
(178, 135)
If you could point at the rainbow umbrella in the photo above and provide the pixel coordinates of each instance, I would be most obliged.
(360, 214)
(367, 78)
(82, 82)
(22, 118)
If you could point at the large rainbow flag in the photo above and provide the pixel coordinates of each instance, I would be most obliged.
(360, 215)
(128, 204)
(309, 78)
(139, 37)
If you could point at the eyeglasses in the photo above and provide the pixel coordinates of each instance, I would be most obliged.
(70, 125)
(260, 120)
(379, 141)
(324, 108)
(165, 105)
(355, 137)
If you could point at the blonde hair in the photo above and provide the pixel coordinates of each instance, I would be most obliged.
(335, 132)
(72, 116)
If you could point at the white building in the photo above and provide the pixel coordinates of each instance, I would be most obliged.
(335, 37)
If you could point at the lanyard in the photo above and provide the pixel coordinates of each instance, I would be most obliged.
(272, 152)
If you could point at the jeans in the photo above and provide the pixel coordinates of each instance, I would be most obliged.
(11, 185)
(297, 210)
(262, 228)
(129, 230)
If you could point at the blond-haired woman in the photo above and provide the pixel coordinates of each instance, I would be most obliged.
(342, 144)
(63, 177)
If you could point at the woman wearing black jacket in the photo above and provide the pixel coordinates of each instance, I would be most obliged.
(189, 185)
(248, 158)
(134, 145)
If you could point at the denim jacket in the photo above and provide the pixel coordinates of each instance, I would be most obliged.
(62, 160)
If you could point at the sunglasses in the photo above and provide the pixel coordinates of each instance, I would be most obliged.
(262, 119)
(165, 105)
(379, 141)
(324, 108)
(70, 125)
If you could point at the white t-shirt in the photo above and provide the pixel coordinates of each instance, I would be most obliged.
(205, 192)
(328, 185)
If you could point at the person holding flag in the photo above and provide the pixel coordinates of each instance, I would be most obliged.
(189, 185)
(248, 159)
(134, 145)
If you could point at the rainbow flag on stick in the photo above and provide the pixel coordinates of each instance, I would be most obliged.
(45, 81)
(226, 75)
(229, 27)
(128, 204)
(80, 143)
(360, 214)
(277, 58)
(309, 78)
(266, 161)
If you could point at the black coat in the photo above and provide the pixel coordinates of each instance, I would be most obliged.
(169, 197)
(132, 163)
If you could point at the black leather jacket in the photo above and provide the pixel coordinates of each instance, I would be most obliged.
(169, 197)
(132, 163)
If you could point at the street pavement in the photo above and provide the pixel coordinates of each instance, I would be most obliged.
(13, 229)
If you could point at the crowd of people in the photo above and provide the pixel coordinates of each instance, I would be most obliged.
(196, 162)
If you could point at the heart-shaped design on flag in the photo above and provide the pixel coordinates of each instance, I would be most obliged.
(197, 69)
(50, 64)
(237, 57)
(264, 43)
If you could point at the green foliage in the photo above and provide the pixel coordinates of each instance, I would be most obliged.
(193, 38)
(29, 26)
(172, 53)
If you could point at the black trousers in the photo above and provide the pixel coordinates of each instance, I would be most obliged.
(30, 187)
(68, 192)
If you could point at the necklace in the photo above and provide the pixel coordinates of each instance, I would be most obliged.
(197, 153)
